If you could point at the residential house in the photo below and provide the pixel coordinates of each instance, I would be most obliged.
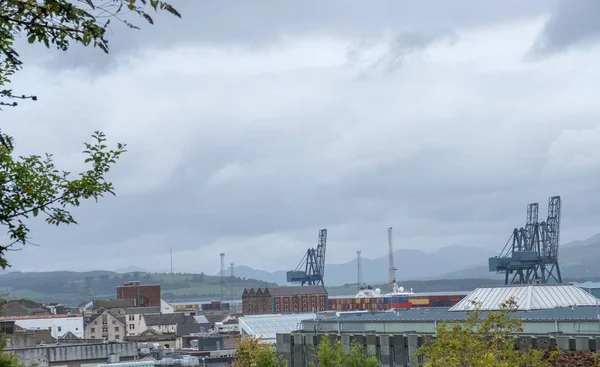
(165, 323)
(229, 326)
(134, 318)
(58, 325)
(23, 307)
(106, 326)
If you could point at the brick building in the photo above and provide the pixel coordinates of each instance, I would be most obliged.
(144, 295)
(284, 300)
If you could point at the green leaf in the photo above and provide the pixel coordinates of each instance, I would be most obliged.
(31, 38)
(35, 212)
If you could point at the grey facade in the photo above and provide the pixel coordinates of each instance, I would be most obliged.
(393, 337)
(400, 349)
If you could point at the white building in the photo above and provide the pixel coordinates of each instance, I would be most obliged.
(165, 307)
(58, 325)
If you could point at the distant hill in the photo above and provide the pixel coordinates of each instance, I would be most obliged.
(77, 287)
(411, 264)
(577, 260)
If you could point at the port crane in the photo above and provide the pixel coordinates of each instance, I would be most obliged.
(531, 254)
(311, 268)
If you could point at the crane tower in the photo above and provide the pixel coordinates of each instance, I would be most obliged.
(311, 268)
(531, 254)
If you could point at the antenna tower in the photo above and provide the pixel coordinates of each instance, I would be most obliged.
(359, 274)
(222, 254)
(392, 268)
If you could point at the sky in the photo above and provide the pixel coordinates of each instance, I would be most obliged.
(250, 125)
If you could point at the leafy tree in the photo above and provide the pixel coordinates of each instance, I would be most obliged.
(333, 355)
(58, 23)
(8, 359)
(555, 357)
(480, 342)
(30, 186)
(252, 352)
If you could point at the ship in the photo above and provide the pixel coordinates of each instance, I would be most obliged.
(399, 291)
(368, 292)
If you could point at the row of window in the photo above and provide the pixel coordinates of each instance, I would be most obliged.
(104, 329)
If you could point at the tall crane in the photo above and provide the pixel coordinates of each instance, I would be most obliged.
(531, 253)
(311, 268)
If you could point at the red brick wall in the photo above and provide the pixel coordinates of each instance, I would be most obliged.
(145, 295)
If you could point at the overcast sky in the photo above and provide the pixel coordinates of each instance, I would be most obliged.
(252, 124)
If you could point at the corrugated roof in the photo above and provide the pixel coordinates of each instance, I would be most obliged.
(268, 326)
(527, 297)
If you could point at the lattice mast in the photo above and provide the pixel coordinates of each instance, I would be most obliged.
(359, 280)
(391, 267)
(232, 281)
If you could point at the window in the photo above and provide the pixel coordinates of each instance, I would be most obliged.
(95, 322)
(92, 337)
(114, 322)
(93, 330)
(131, 317)
(105, 329)
(117, 336)
(59, 329)
(131, 327)
(116, 328)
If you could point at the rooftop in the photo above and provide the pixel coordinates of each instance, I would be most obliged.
(527, 297)
(586, 313)
(297, 290)
(113, 303)
(41, 316)
(142, 310)
(267, 326)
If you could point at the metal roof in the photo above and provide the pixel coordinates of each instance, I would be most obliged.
(267, 326)
(586, 313)
(527, 297)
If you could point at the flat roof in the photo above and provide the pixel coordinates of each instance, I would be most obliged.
(584, 313)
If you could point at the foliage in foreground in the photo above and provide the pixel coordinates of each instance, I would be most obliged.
(252, 352)
(32, 186)
(58, 23)
(333, 355)
(480, 342)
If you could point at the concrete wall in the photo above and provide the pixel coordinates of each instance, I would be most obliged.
(74, 355)
(399, 350)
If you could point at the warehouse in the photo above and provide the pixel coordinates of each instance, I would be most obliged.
(562, 314)
(284, 300)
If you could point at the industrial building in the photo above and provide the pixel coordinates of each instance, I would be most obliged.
(563, 314)
(144, 295)
(284, 300)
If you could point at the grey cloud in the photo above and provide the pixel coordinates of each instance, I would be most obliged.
(571, 23)
(409, 42)
(254, 162)
(263, 22)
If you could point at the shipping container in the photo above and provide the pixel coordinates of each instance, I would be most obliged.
(419, 301)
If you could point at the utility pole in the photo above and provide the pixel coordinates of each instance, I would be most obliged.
(359, 270)
(232, 278)
(222, 254)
